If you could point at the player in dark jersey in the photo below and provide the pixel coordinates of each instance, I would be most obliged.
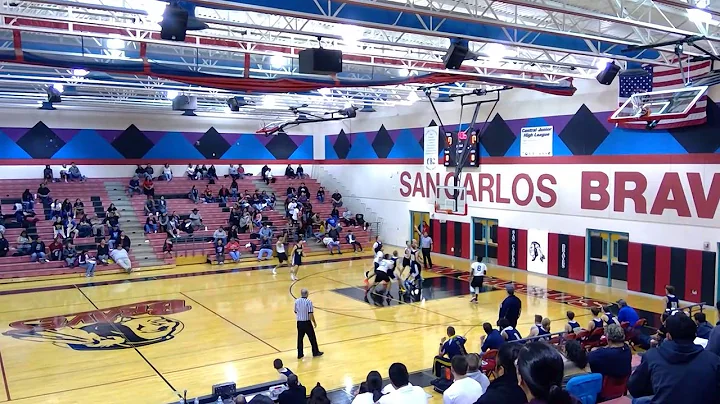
(507, 331)
(296, 259)
(608, 317)
(572, 326)
(672, 303)
(597, 321)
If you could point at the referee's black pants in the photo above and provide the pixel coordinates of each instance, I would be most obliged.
(306, 328)
(427, 261)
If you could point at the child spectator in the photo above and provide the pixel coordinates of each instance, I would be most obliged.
(282, 370)
(48, 174)
(37, 250)
(234, 250)
(194, 195)
(220, 252)
(103, 252)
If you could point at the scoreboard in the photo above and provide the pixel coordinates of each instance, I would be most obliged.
(454, 148)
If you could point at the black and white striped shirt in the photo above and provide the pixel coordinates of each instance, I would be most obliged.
(303, 308)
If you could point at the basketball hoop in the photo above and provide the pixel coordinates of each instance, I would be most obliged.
(451, 200)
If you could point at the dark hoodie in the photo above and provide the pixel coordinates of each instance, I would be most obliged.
(677, 372)
(504, 390)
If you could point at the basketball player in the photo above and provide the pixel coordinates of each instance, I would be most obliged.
(379, 255)
(597, 321)
(507, 331)
(414, 274)
(477, 277)
(608, 317)
(377, 246)
(572, 326)
(672, 303)
(406, 256)
(296, 260)
(381, 275)
(281, 254)
(390, 261)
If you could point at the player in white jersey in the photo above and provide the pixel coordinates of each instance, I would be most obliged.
(477, 276)
(379, 255)
(281, 254)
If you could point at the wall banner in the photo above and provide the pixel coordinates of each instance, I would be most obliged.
(536, 141)
(513, 248)
(431, 148)
(537, 251)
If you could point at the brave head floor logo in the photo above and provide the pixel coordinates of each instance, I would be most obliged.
(120, 327)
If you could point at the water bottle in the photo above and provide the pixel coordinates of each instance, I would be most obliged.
(219, 400)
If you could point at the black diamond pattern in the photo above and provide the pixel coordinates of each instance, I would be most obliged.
(383, 143)
(701, 138)
(497, 137)
(584, 133)
(212, 145)
(342, 145)
(281, 146)
(132, 143)
(40, 142)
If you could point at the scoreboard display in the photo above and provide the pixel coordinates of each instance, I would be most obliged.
(454, 142)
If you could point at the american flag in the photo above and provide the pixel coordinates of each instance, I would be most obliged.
(658, 78)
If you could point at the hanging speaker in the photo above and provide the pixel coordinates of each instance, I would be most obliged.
(455, 56)
(607, 75)
(174, 24)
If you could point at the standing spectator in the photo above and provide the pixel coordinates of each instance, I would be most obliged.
(167, 173)
(37, 250)
(149, 187)
(134, 186)
(4, 246)
(703, 327)
(300, 172)
(74, 173)
(87, 262)
(678, 371)
(493, 339)
(289, 172)
(463, 390)
(120, 256)
(403, 391)
(615, 359)
(306, 324)
(69, 254)
(265, 174)
(194, 195)
(55, 249)
(337, 200)
(511, 307)
(295, 394)
(23, 244)
(196, 219)
(540, 370)
(320, 195)
(103, 252)
(426, 243)
(43, 193)
(48, 174)
(352, 240)
(504, 388)
(450, 346)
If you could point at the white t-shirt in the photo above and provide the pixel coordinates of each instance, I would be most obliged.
(364, 398)
(327, 240)
(295, 213)
(280, 247)
(379, 257)
(386, 265)
(463, 391)
(405, 395)
(478, 269)
(291, 206)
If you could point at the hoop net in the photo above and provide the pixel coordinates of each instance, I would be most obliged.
(451, 200)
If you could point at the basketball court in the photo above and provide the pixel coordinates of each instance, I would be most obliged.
(191, 327)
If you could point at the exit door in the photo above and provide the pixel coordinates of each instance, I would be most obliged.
(485, 239)
(607, 258)
(419, 221)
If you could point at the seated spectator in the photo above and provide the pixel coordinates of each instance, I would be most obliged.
(303, 189)
(140, 171)
(67, 210)
(103, 252)
(98, 228)
(151, 225)
(223, 194)
(704, 328)
(55, 249)
(295, 394)
(348, 219)
(149, 172)
(121, 257)
(114, 236)
(149, 207)
(241, 171)
(575, 361)
(2, 224)
(86, 261)
(69, 254)
(265, 252)
(540, 373)
(615, 359)
(43, 193)
(149, 187)
(64, 173)
(330, 243)
(48, 174)
(504, 388)
(245, 223)
(196, 219)
(23, 244)
(220, 251)
(257, 220)
(320, 195)
(212, 174)
(194, 195)
(58, 228)
(112, 216)
(474, 371)
(124, 241)
(291, 192)
(233, 248)
(168, 244)
(318, 395)
(370, 390)
(187, 226)
(71, 231)
(300, 172)
(220, 234)
(74, 173)
(163, 222)
(207, 196)
(463, 390)
(4, 246)
(289, 172)
(134, 186)
(678, 371)
(233, 172)
(28, 200)
(352, 240)
(337, 200)
(493, 339)
(37, 250)
(264, 170)
(78, 208)
(56, 209)
(449, 347)
(191, 173)
(403, 391)
(201, 171)
(84, 227)
(627, 314)
(167, 173)
(161, 205)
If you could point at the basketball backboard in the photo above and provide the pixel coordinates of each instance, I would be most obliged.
(451, 200)
(659, 105)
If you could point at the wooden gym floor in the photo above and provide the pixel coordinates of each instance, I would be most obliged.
(207, 325)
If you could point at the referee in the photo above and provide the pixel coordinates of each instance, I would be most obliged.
(305, 323)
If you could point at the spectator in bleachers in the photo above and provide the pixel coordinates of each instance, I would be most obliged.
(78, 208)
(704, 328)
(233, 248)
(504, 388)
(124, 241)
(331, 243)
(203, 172)
(194, 195)
(149, 207)
(233, 172)
(103, 252)
(320, 194)
(168, 245)
(265, 252)
(493, 339)
(48, 175)
(463, 390)
(84, 227)
(403, 391)
(149, 187)
(540, 372)
(69, 254)
(207, 196)
(56, 209)
(187, 226)
(161, 205)
(348, 218)
(191, 172)
(220, 251)
(370, 390)
(289, 172)
(37, 250)
(86, 261)
(295, 394)
(23, 244)
(2, 223)
(114, 236)
(98, 228)
(58, 227)
(196, 219)
(303, 189)
(234, 189)
(263, 171)
(257, 220)
(300, 171)
(318, 395)
(220, 234)
(245, 223)
(64, 173)
(627, 313)
(167, 173)
(121, 257)
(575, 361)
(614, 360)
(212, 174)
(337, 200)
(25, 218)
(163, 222)
(474, 371)
(140, 171)
(43, 193)
(223, 194)
(4, 245)
(678, 371)
(134, 186)
(28, 200)
(71, 231)
(149, 172)
(112, 215)
(74, 173)
(266, 232)
(151, 225)
(291, 192)
(55, 249)
(352, 240)
(67, 210)
(233, 232)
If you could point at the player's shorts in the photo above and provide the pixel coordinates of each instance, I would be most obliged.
(296, 261)
(381, 276)
(477, 281)
(406, 262)
(282, 257)
(391, 274)
(415, 268)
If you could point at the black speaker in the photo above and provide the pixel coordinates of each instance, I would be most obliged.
(455, 56)
(607, 75)
(174, 24)
(320, 61)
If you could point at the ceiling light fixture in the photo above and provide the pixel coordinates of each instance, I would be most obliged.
(351, 34)
(699, 16)
(497, 51)
(278, 61)
(154, 9)
(79, 72)
(269, 101)
(602, 63)
(59, 87)
(115, 43)
(324, 91)
(413, 97)
(403, 72)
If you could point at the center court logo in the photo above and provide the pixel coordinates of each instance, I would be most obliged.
(120, 327)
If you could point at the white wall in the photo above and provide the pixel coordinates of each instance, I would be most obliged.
(556, 203)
